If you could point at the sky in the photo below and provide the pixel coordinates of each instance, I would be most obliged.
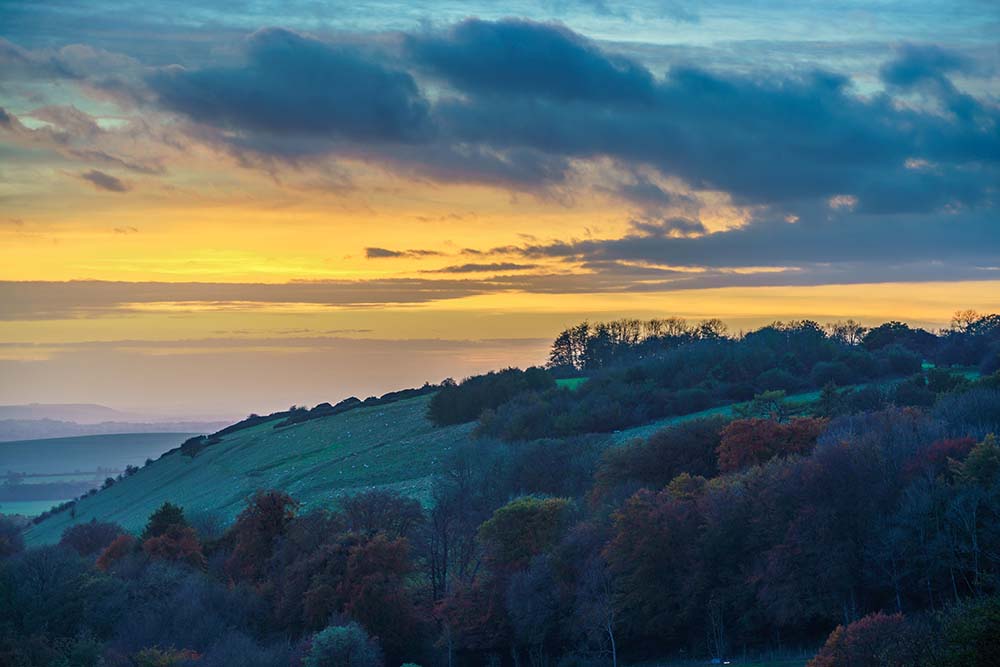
(228, 207)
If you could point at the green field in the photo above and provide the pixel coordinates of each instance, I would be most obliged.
(570, 383)
(27, 507)
(793, 401)
(391, 446)
(85, 453)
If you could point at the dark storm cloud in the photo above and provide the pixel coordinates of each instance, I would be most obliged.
(764, 141)
(971, 238)
(295, 85)
(527, 58)
(103, 181)
(521, 101)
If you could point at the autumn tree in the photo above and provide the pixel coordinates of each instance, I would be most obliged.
(114, 552)
(265, 518)
(748, 442)
(178, 544)
(375, 593)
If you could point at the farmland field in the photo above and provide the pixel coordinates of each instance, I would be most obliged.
(390, 446)
(27, 507)
(85, 453)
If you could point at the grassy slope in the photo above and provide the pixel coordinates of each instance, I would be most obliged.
(391, 446)
(646, 430)
(85, 452)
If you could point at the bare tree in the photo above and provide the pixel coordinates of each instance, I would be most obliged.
(595, 608)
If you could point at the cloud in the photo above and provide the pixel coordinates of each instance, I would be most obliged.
(762, 139)
(483, 268)
(520, 57)
(296, 86)
(857, 240)
(521, 105)
(103, 181)
(385, 253)
(670, 227)
(77, 136)
(916, 63)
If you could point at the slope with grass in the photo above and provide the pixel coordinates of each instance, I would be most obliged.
(795, 403)
(389, 446)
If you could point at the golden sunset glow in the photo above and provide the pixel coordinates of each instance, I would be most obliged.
(146, 214)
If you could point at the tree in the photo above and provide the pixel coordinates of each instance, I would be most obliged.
(118, 549)
(522, 529)
(178, 544)
(748, 442)
(963, 320)
(532, 604)
(594, 608)
(375, 593)
(167, 515)
(688, 447)
(90, 538)
(767, 404)
(877, 640)
(11, 540)
(655, 539)
(343, 646)
(265, 518)
(388, 512)
(848, 332)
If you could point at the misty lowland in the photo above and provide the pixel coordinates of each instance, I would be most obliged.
(658, 493)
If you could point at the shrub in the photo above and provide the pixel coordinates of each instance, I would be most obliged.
(877, 640)
(341, 645)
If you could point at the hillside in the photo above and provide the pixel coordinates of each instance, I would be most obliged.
(387, 446)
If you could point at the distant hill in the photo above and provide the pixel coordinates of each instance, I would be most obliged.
(32, 429)
(81, 413)
(85, 453)
(392, 445)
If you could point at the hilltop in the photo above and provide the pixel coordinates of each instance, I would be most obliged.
(386, 446)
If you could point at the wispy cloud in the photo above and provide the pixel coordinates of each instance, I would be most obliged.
(103, 181)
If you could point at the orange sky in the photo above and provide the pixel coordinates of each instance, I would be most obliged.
(386, 204)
